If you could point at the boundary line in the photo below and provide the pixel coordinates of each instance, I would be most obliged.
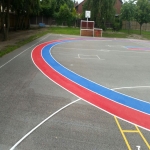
(131, 87)
(31, 131)
(124, 137)
(142, 136)
(131, 131)
(54, 43)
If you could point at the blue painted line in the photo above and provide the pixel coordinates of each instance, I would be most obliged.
(112, 95)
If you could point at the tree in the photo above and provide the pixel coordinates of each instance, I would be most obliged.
(48, 8)
(30, 7)
(101, 11)
(142, 14)
(5, 7)
(128, 12)
(64, 15)
(59, 3)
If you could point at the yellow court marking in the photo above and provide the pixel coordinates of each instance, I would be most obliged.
(124, 137)
(144, 139)
(131, 131)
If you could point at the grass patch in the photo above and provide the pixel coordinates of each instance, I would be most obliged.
(145, 34)
(112, 34)
(11, 48)
(65, 30)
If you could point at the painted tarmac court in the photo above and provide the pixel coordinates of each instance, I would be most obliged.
(69, 92)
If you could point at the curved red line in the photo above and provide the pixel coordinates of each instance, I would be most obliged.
(112, 107)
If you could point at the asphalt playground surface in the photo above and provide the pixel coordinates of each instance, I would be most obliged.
(38, 114)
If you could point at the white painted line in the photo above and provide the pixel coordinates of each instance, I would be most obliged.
(98, 56)
(115, 45)
(104, 50)
(99, 40)
(78, 56)
(79, 84)
(86, 55)
(24, 137)
(132, 87)
(23, 52)
(82, 49)
(82, 86)
(125, 47)
(128, 51)
(81, 56)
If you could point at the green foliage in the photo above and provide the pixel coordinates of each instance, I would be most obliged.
(142, 14)
(101, 11)
(138, 10)
(48, 8)
(65, 30)
(128, 10)
(65, 15)
(59, 3)
(23, 9)
(117, 25)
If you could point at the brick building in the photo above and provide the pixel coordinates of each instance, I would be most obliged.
(118, 6)
(79, 7)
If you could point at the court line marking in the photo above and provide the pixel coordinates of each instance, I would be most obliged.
(52, 114)
(89, 80)
(130, 131)
(144, 139)
(76, 48)
(98, 57)
(104, 50)
(127, 51)
(22, 52)
(132, 87)
(81, 56)
(31, 131)
(124, 137)
(80, 75)
(70, 91)
(99, 40)
(122, 51)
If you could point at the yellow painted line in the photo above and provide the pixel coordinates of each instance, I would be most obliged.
(130, 131)
(124, 137)
(144, 139)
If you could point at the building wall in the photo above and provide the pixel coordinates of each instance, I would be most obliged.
(79, 8)
(118, 6)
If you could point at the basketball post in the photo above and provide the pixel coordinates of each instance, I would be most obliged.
(87, 15)
(86, 26)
